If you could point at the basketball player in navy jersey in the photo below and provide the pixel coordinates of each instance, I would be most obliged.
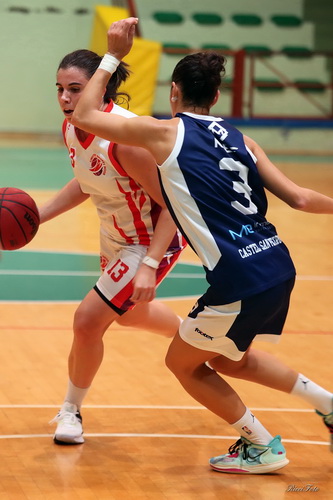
(213, 179)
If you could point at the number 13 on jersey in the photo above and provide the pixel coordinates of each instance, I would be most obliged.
(118, 270)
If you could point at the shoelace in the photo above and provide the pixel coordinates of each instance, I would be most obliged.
(238, 447)
(243, 450)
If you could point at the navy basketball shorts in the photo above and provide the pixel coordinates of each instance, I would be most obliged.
(231, 328)
(115, 285)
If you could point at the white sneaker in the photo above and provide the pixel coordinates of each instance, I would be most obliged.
(69, 429)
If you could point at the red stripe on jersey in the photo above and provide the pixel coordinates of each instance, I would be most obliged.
(142, 199)
(140, 226)
(133, 185)
(114, 161)
(166, 265)
(123, 296)
(128, 239)
(64, 129)
(109, 107)
(86, 143)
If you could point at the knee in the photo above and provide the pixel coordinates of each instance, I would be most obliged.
(85, 330)
(175, 365)
(182, 369)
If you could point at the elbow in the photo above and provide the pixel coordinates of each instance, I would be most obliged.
(300, 199)
(299, 203)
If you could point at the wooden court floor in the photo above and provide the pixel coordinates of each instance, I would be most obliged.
(145, 437)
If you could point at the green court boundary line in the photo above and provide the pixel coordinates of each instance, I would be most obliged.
(159, 299)
(79, 252)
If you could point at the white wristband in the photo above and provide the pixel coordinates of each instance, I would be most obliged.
(149, 261)
(109, 63)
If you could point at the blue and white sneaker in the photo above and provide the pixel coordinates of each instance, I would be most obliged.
(69, 429)
(245, 457)
(328, 421)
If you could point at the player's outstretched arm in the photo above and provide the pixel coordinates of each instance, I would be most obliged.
(298, 197)
(67, 198)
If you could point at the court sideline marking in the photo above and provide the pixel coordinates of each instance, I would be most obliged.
(151, 435)
(144, 435)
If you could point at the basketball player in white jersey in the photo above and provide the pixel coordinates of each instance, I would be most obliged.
(213, 180)
(139, 242)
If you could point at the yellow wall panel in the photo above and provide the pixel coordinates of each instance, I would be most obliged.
(143, 59)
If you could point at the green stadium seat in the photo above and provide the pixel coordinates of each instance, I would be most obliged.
(176, 46)
(227, 82)
(215, 46)
(260, 50)
(168, 17)
(310, 85)
(268, 85)
(247, 19)
(207, 18)
(286, 21)
(300, 52)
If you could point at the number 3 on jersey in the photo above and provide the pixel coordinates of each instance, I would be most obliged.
(241, 186)
(118, 270)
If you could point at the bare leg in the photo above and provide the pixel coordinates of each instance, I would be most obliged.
(260, 367)
(152, 316)
(91, 320)
(188, 364)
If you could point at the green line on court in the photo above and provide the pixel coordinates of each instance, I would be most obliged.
(47, 276)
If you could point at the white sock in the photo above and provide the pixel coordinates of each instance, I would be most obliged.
(75, 395)
(250, 428)
(318, 397)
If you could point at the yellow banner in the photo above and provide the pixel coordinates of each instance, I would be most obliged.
(143, 59)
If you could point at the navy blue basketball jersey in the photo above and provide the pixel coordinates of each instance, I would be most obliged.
(213, 189)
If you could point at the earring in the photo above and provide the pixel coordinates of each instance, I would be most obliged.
(174, 98)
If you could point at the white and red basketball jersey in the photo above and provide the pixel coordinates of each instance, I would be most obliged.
(127, 213)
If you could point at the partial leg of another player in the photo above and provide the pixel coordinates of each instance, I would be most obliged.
(265, 369)
(153, 317)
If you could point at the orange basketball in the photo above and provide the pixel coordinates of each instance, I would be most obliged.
(19, 218)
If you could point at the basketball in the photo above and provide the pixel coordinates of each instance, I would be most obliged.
(19, 218)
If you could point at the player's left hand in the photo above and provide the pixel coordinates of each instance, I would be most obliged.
(144, 285)
(120, 37)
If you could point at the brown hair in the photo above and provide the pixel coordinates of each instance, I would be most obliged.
(88, 61)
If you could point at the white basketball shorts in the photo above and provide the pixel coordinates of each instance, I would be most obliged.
(115, 286)
(230, 329)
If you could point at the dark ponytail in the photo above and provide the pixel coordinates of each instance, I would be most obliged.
(199, 76)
